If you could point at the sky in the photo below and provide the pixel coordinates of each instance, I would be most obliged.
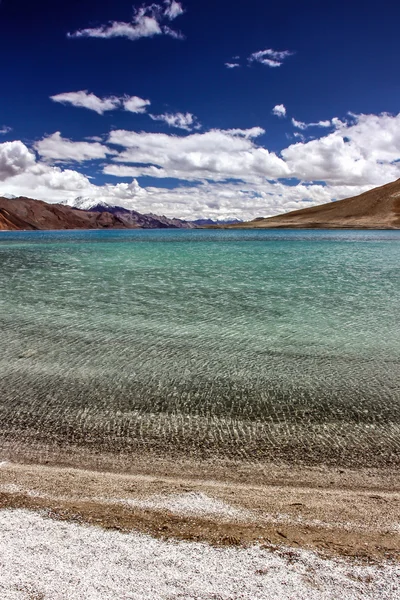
(199, 109)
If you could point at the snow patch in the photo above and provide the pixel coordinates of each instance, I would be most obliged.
(85, 203)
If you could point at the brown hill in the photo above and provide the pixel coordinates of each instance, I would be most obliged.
(25, 213)
(377, 209)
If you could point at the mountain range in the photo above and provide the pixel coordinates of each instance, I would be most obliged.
(378, 208)
(28, 214)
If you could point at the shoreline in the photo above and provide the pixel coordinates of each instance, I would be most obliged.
(224, 470)
(346, 514)
(43, 558)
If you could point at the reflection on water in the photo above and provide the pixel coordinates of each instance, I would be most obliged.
(253, 345)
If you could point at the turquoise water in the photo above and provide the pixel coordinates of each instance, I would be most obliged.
(253, 345)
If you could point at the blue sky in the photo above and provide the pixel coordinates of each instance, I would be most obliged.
(140, 104)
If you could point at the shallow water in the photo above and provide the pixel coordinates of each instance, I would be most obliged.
(258, 345)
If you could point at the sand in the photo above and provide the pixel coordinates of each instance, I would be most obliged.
(360, 520)
(249, 533)
(42, 559)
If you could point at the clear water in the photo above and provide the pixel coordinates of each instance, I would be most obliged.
(253, 345)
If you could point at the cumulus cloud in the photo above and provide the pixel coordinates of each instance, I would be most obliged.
(225, 173)
(15, 158)
(216, 155)
(301, 125)
(4, 130)
(135, 104)
(22, 174)
(232, 65)
(27, 177)
(279, 110)
(360, 153)
(365, 150)
(54, 184)
(270, 57)
(240, 200)
(58, 149)
(185, 121)
(147, 21)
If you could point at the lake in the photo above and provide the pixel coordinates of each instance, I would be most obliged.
(246, 345)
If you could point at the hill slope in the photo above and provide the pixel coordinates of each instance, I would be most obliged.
(131, 218)
(378, 208)
(27, 214)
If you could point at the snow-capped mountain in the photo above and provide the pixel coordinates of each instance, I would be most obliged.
(131, 218)
(86, 203)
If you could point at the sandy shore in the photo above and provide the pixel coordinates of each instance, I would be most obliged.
(44, 559)
(357, 518)
(167, 531)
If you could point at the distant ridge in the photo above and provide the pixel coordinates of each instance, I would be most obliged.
(378, 208)
(132, 218)
(28, 214)
(206, 222)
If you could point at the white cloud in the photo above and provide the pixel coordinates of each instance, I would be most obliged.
(232, 65)
(4, 130)
(15, 158)
(94, 138)
(225, 173)
(177, 35)
(180, 120)
(212, 200)
(58, 149)
(298, 135)
(253, 132)
(301, 125)
(147, 21)
(362, 151)
(84, 99)
(22, 174)
(216, 155)
(326, 123)
(55, 185)
(56, 179)
(279, 110)
(25, 176)
(174, 9)
(135, 104)
(270, 57)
